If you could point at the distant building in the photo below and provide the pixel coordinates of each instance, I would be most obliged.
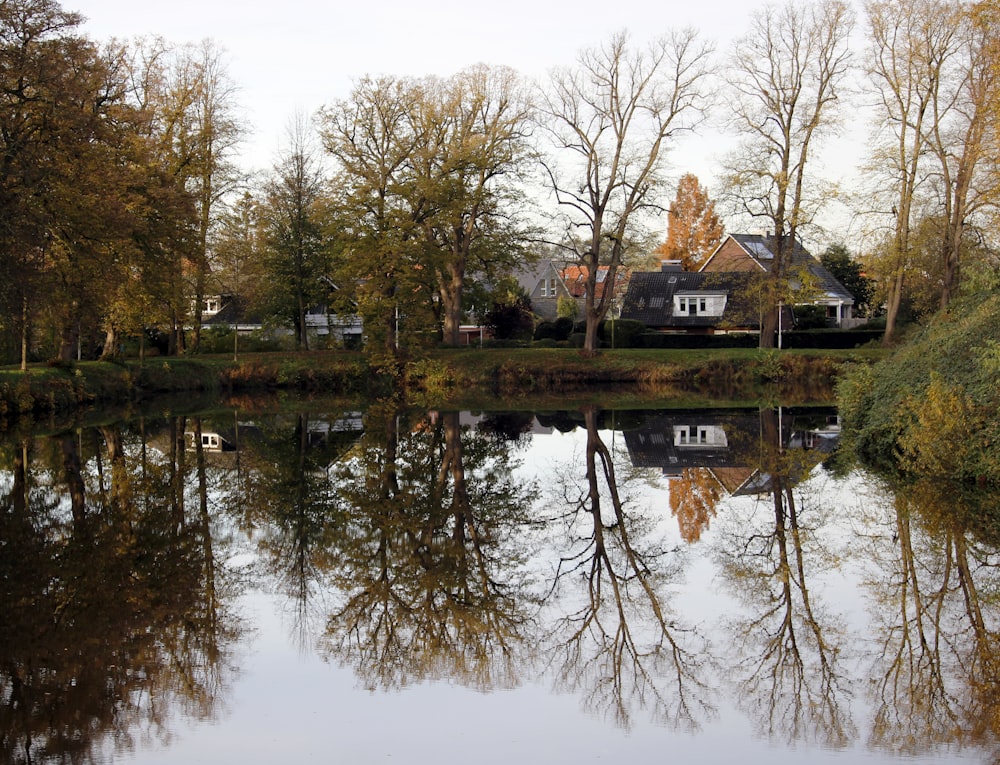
(753, 253)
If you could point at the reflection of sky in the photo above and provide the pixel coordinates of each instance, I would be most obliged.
(289, 705)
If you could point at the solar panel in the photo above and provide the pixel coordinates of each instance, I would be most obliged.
(759, 250)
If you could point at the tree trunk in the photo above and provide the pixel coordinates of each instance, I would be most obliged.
(895, 300)
(24, 334)
(110, 350)
(451, 291)
(69, 340)
(769, 328)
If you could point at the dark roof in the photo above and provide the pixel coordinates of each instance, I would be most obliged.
(650, 298)
(759, 247)
(235, 310)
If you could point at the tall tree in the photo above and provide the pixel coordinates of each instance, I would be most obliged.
(75, 179)
(215, 134)
(609, 120)
(192, 120)
(473, 131)
(911, 43)
(963, 135)
(424, 167)
(297, 259)
(787, 74)
(693, 228)
(239, 255)
(838, 261)
(368, 135)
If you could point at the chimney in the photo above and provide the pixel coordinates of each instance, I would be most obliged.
(671, 265)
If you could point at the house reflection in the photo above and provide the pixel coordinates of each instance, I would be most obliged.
(709, 454)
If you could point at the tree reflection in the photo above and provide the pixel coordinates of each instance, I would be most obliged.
(621, 648)
(281, 488)
(789, 649)
(936, 595)
(108, 619)
(429, 558)
(693, 499)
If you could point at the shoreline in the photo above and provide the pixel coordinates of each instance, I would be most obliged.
(441, 377)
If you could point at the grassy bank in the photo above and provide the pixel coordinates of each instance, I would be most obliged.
(443, 377)
(931, 408)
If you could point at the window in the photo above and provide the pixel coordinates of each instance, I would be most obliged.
(699, 305)
(552, 287)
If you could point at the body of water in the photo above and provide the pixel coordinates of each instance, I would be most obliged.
(375, 583)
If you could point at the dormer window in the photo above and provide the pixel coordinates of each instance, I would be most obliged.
(699, 305)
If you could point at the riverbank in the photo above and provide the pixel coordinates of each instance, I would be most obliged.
(441, 377)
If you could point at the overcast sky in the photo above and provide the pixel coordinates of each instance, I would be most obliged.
(297, 55)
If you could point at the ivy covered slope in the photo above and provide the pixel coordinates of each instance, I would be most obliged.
(933, 407)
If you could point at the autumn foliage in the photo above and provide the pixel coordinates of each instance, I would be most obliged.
(693, 498)
(693, 228)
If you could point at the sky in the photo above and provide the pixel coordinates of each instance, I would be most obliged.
(296, 56)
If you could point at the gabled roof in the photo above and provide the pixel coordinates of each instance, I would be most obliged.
(650, 298)
(575, 278)
(529, 274)
(758, 248)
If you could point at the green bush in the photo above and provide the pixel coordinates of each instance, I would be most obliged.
(662, 340)
(627, 333)
(559, 329)
(934, 399)
(829, 338)
(810, 317)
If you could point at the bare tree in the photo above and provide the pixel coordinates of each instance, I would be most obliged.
(962, 135)
(610, 119)
(787, 73)
(911, 43)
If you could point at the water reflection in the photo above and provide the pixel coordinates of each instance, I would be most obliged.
(788, 649)
(429, 555)
(115, 617)
(418, 546)
(935, 596)
(622, 649)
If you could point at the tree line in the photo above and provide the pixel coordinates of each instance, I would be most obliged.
(412, 200)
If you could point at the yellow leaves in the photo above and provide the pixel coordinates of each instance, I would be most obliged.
(693, 498)
(937, 441)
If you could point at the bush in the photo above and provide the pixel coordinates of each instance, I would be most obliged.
(627, 333)
(931, 407)
(810, 317)
(829, 338)
(508, 321)
(560, 329)
(661, 340)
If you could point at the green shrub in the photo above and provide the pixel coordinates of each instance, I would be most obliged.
(627, 333)
(810, 317)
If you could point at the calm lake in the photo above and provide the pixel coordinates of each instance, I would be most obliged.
(348, 583)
